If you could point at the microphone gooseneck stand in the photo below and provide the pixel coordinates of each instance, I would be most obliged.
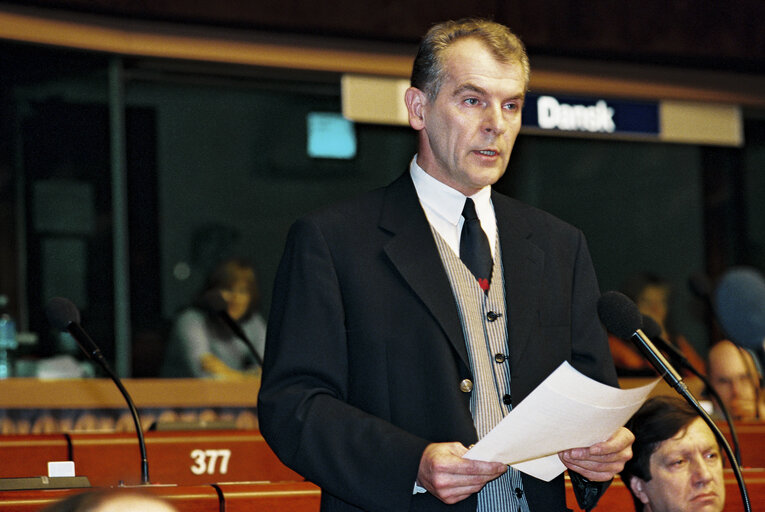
(621, 317)
(649, 328)
(64, 315)
(673, 379)
(98, 357)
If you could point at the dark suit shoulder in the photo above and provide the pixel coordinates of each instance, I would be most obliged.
(530, 221)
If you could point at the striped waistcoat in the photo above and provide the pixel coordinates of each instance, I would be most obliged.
(483, 319)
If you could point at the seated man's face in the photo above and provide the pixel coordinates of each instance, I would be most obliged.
(731, 377)
(686, 474)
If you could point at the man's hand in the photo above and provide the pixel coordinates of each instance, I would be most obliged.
(601, 461)
(449, 477)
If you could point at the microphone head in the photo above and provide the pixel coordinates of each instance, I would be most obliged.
(61, 312)
(212, 300)
(739, 301)
(651, 327)
(619, 314)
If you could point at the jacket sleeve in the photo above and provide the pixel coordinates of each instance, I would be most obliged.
(303, 406)
(591, 354)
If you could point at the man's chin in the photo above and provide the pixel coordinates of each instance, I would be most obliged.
(711, 503)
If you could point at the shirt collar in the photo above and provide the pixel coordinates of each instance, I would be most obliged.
(445, 201)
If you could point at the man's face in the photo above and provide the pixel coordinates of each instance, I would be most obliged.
(686, 474)
(468, 132)
(729, 375)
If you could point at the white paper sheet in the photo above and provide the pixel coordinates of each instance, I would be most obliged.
(567, 410)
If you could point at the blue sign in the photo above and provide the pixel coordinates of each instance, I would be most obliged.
(590, 116)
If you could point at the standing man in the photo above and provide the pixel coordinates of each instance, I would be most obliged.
(407, 322)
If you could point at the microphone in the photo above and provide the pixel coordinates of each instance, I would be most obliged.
(64, 315)
(653, 331)
(212, 300)
(622, 318)
(740, 305)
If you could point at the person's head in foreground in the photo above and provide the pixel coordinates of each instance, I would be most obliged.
(676, 463)
(111, 500)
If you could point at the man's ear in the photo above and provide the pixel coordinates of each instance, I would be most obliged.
(638, 489)
(415, 101)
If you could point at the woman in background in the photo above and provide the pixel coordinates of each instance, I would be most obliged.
(202, 344)
(651, 293)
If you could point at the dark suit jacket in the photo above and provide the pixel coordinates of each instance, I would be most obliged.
(365, 351)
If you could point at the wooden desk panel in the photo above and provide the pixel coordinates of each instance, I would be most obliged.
(281, 497)
(751, 439)
(31, 501)
(28, 455)
(29, 393)
(618, 498)
(199, 498)
(180, 457)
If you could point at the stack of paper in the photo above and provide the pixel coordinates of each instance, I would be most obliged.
(567, 410)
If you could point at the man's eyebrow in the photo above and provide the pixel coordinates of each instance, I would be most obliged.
(468, 87)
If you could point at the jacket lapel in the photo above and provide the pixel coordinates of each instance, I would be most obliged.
(523, 263)
(414, 254)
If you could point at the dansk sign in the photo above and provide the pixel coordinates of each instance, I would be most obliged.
(590, 116)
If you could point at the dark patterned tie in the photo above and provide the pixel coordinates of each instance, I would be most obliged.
(475, 252)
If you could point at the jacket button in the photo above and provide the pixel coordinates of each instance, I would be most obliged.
(507, 399)
(492, 316)
(466, 386)
(500, 358)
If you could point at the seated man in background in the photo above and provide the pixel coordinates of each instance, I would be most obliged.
(733, 374)
(676, 463)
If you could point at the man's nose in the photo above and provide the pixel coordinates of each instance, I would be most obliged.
(702, 471)
(494, 120)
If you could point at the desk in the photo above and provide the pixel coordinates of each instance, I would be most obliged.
(282, 497)
(751, 440)
(179, 457)
(30, 406)
(175, 457)
(184, 499)
(29, 455)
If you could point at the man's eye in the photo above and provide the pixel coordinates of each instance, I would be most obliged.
(511, 106)
(472, 101)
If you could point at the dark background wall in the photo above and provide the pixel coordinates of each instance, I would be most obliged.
(703, 33)
(216, 159)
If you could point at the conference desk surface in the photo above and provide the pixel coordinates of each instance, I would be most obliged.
(751, 439)
(204, 456)
(198, 469)
(175, 457)
(305, 496)
(235, 497)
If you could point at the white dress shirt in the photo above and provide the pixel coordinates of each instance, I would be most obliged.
(443, 207)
